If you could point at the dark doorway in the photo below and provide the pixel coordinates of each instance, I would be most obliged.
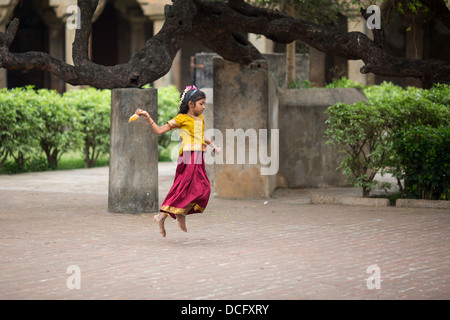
(32, 35)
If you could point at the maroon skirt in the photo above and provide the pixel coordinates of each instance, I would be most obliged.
(191, 188)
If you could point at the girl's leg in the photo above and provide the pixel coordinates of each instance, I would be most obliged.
(160, 218)
(181, 219)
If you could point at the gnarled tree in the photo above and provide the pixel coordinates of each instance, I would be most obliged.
(220, 26)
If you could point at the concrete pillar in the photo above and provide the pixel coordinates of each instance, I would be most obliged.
(133, 163)
(245, 101)
(358, 23)
(317, 67)
(137, 34)
(56, 50)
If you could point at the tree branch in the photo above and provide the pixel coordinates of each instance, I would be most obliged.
(7, 38)
(148, 65)
(239, 16)
(80, 45)
(221, 26)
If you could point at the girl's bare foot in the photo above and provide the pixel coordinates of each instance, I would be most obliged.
(160, 218)
(181, 219)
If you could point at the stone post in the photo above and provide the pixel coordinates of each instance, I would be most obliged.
(244, 104)
(133, 163)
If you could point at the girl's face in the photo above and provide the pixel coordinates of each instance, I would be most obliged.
(198, 108)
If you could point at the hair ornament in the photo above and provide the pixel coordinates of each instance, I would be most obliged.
(184, 93)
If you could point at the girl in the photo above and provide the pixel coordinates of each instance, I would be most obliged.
(191, 189)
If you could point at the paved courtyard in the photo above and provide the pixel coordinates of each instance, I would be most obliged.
(57, 241)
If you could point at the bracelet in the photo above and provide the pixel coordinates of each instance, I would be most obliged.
(152, 122)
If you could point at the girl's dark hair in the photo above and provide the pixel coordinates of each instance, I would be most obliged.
(193, 95)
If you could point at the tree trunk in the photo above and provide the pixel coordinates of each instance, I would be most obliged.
(366, 192)
(290, 64)
(290, 50)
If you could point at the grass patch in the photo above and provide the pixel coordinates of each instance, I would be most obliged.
(75, 160)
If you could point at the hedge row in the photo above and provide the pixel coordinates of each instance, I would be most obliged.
(396, 130)
(38, 126)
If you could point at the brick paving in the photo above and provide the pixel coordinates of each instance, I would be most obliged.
(286, 248)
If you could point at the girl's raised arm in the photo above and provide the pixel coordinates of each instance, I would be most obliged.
(157, 129)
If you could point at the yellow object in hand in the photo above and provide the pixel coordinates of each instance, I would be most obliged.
(133, 117)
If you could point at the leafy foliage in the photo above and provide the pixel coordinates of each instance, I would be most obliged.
(17, 125)
(59, 126)
(424, 154)
(168, 101)
(344, 82)
(364, 131)
(93, 107)
(38, 126)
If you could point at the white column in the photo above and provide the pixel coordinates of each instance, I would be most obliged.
(354, 66)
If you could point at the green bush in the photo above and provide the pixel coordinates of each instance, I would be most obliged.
(18, 126)
(168, 101)
(59, 125)
(94, 108)
(302, 84)
(425, 158)
(38, 126)
(344, 83)
(364, 131)
(359, 131)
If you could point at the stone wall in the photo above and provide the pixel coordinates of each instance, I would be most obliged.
(306, 161)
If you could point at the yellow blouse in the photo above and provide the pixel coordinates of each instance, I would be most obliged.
(191, 131)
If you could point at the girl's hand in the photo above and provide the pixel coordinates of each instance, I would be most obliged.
(217, 149)
(141, 112)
